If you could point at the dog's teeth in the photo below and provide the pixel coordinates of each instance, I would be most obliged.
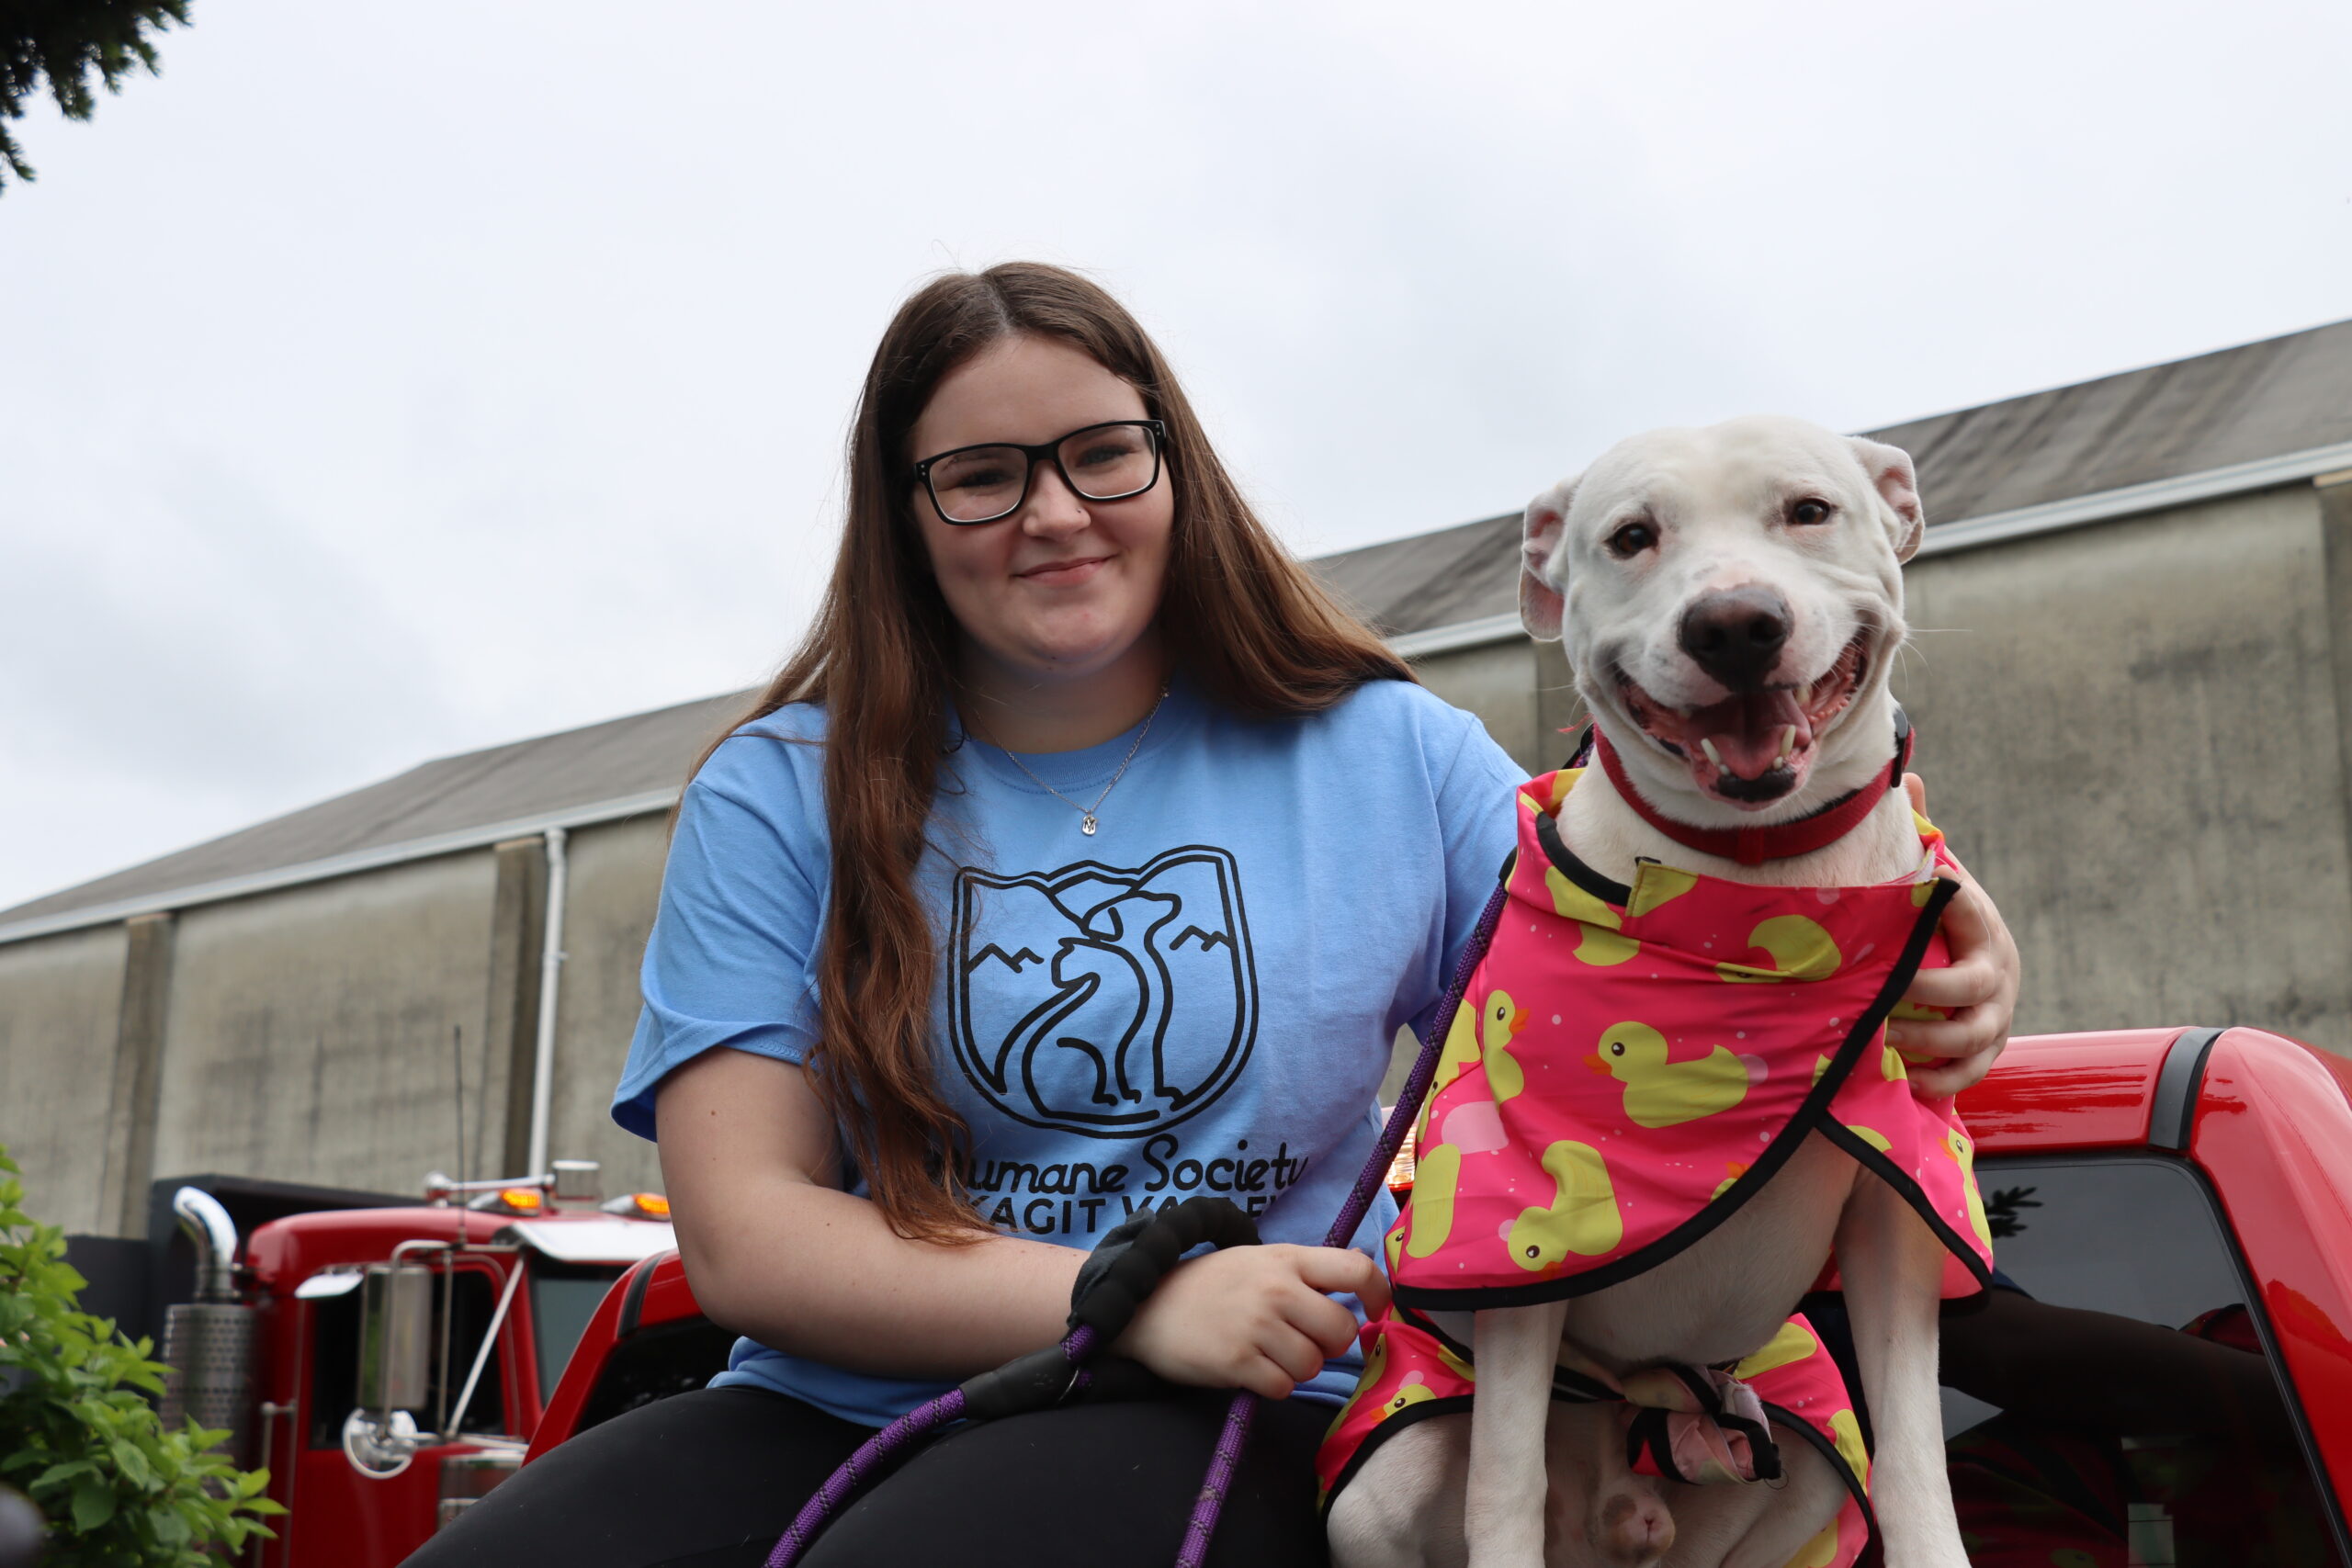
(1805, 694)
(1708, 747)
(1787, 744)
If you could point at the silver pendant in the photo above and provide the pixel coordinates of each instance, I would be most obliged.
(1086, 825)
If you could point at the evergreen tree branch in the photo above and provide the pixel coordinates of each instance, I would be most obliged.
(61, 42)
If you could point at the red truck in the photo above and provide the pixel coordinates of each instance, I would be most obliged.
(2171, 1385)
(390, 1364)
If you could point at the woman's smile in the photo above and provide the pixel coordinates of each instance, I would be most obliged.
(1065, 573)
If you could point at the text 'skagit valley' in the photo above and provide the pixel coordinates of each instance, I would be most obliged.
(1083, 1197)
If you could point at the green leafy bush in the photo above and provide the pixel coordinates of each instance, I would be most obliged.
(77, 1434)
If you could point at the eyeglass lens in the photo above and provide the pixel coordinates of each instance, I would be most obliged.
(1105, 462)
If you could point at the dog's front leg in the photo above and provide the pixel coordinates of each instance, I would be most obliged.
(1515, 1349)
(1892, 1266)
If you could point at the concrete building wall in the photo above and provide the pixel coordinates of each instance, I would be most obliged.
(1498, 683)
(60, 1000)
(2129, 732)
(615, 879)
(309, 1034)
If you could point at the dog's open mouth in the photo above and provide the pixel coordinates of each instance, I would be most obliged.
(1755, 748)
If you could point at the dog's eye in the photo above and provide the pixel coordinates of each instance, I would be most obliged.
(1810, 509)
(1632, 539)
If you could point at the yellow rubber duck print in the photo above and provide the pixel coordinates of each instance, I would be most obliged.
(1800, 950)
(1660, 1093)
(1461, 1049)
(1655, 885)
(1601, 945)
(1429, 1214)
(1499, 1021)
(1794, 1342)
(1964, 1152)
(1847, 1433)
(1375, 1366)
(1912, 1012)
(1583, 1216)
(1818, 1552)
(1410, 1393)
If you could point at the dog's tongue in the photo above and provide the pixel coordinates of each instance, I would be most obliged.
(1747, 731)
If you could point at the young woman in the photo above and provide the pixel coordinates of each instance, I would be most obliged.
(1085, 857)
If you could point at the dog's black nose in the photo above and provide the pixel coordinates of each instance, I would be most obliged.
(1736, 635)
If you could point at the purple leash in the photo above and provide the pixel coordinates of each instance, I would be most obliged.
(1064, 1364)
(1228, 1457)
(881, 1449)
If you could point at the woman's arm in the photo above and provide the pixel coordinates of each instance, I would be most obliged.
(776, 1250)
(1978, 989)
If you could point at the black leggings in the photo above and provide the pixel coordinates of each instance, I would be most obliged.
(711, 1480)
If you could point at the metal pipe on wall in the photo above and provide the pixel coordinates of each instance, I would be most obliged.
(550, 974)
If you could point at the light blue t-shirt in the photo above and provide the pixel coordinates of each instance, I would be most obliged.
(1198, 999)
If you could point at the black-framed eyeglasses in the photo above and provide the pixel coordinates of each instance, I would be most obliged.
(1111, 461)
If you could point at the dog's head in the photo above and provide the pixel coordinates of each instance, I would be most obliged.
(1731, 598)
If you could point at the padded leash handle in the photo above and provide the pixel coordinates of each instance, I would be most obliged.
(1129, 1264)
(1124, 1268)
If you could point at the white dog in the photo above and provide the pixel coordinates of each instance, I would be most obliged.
(1732, 599)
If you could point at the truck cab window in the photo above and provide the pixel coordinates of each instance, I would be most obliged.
(2121, 1408)
(334, 1361)
(564, 1296)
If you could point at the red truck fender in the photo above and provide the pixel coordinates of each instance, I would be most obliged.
(652, 1295)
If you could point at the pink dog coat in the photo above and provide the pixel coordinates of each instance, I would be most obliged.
(1630, 1065)
(1696, 1424)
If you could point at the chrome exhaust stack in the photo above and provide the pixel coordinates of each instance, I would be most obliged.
(208, 1342)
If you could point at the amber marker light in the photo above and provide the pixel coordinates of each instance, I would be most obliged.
(521, 1199)
(639, 1206)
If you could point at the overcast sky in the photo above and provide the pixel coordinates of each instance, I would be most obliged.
(381, 382)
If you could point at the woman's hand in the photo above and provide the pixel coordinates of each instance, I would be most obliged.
(1253, 1317)
(1979, 988)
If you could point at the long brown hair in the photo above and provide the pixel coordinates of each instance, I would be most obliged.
(1240, 617)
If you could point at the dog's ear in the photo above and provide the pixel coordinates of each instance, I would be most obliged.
(1540, 605)
(1898, 485)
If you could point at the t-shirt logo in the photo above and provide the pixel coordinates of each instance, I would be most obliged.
(1100, 999)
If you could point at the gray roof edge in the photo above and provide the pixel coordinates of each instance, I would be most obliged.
(372, 859)
(2096, 381)
(1355, 552)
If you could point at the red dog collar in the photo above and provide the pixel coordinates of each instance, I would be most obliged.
(1778, 841)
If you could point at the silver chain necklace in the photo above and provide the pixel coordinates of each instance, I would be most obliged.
(1087, 820)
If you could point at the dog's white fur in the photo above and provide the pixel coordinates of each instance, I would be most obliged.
(1522, 1481)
